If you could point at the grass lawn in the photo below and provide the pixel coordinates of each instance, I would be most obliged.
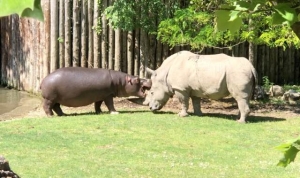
(143, 144)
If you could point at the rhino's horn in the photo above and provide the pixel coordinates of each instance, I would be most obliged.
(150, 71)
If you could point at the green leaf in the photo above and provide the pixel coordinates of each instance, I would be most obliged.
(24, 8)
(290, 151)
(226, 19)
(284, 14)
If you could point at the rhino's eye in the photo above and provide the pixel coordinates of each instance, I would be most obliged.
(151, 92)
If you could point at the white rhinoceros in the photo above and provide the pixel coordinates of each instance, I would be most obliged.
(188, 75)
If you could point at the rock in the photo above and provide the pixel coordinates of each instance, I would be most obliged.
(5, 171)
(276, 90)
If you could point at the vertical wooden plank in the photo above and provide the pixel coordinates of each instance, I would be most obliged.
(76, 33)
(47, 22)
(136, 52)
(297, 67)
(159, 54)
(90, 33)
(104, 36)
(292, 65)
(54, 35)
(166, 52)
(281, 62)
(124, 52)
(61, 38)
(110, 47)
(84, 36)
(68, 33)
(130, 47)
(152, 51)
(96, 36)
(117, 65)
(271, 64)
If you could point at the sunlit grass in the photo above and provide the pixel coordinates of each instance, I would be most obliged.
(143, 144)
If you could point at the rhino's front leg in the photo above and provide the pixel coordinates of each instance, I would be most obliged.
(184, 100)
(196, 105)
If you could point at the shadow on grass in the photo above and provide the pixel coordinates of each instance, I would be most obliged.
(233, 117)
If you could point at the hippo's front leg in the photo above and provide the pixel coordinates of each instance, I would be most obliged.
(109, 102)
(184, 100)
(97, 106)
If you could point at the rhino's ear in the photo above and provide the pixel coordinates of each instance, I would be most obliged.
(147, 84)
(150, 71)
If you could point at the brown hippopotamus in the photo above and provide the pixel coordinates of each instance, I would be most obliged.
(77, 86)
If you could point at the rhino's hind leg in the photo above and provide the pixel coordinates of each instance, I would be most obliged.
(109, 102)
(196, 105)
(57, 109)
(184, 100)
(243, 105)
(97, 106)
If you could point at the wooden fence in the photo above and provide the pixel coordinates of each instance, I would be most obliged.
(70, 36)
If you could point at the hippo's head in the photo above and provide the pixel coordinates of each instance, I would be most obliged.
(136, 86)
(159, 93)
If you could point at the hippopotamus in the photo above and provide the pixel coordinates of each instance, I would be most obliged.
(187, 75)
(78, 86)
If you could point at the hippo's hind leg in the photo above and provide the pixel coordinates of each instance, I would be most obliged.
(57, 109)
(196, 105)
(97, 106)
(48, 106)
(109, 102)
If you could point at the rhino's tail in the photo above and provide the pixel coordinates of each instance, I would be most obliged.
(254, 80)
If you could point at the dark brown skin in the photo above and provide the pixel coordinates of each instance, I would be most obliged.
(76, 86)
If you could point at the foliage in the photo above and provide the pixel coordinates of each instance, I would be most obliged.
(129, 15)
(266, 83)
(138, 143)
(24, 8)
(290, 150)
(258, 21)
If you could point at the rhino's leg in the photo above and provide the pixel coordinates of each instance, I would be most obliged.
(48, 105)
(109, 102)
(184, 100)
(57, 109)
(97, 106)
(196, 105)
(243, 105)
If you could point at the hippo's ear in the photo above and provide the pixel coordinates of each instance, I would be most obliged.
(134, 80)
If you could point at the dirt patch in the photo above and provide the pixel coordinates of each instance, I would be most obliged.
(226, 107)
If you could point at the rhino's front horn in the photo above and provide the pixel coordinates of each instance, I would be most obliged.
(150, 71)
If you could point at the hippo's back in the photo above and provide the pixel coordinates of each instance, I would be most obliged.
(76, 86)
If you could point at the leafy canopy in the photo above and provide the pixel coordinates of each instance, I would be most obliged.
(24, 8)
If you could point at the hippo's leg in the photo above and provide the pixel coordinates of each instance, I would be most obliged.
(48, 105)
(97, 106)
(184, 100)
(196, 105)
(109, 102)
(57, 109)
(244, 110)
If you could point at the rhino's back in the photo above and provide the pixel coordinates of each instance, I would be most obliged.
(209, 76)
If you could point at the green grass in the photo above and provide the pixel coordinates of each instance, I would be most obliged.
(143, 144)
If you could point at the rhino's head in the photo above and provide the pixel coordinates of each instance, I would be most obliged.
(159, 93)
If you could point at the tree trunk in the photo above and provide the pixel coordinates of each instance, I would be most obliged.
(124, 52)
(54, 35)
(90, 33)
(84, 36)
(61, 33)
(117, 50)
(46, 52)
(104, 37)
(76, 33)
(158, 55)
(145, 56)
(68, 33)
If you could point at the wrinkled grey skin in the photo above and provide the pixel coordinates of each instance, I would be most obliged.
(76, 86)
(187, 75)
